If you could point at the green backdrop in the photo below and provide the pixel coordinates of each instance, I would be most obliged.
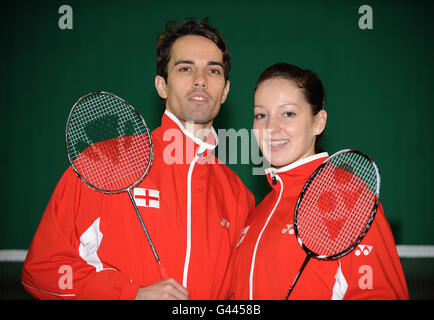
(378, 83)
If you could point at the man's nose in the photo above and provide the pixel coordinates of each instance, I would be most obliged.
(199, 80)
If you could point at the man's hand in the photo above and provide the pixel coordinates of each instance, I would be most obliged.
(163, 290)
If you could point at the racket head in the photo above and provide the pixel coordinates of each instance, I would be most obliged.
(108, 142)
(337, 205)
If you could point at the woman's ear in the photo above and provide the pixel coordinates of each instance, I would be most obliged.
(320, 122)
(161, 86)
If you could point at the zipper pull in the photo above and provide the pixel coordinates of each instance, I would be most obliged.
(273, 177)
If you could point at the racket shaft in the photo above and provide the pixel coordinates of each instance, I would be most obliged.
(298, 276)
(161, 266)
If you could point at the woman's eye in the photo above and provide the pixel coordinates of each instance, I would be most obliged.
(289, 114)
(259, 116)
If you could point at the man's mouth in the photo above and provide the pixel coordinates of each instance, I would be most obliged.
(198, 97)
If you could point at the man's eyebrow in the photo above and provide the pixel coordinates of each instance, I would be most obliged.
(183, 62)
(211, 63)
(215, 63)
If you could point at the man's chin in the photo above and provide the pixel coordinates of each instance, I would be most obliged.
(198, 117)
(205, 122)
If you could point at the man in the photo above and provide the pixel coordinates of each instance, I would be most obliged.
(90, 245)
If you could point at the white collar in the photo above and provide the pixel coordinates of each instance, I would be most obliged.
(202, 145)
(297, 163)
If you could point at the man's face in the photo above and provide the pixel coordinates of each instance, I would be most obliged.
(195, 87)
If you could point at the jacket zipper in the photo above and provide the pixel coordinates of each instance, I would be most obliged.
(188, 247)
(273, 177)
(252, 266)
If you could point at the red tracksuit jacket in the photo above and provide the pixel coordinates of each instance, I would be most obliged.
(268, 256)
(90, 245)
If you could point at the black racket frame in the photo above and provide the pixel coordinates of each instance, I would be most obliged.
(310, 253)
(148, 133)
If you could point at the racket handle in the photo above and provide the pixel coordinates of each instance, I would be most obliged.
(163, 271)
(298, 276)
(161, 266)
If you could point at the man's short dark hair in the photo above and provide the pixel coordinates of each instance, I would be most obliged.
(178, 29)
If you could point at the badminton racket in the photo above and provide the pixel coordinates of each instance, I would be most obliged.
(109, 147)
(336, 207)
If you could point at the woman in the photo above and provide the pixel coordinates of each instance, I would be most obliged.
(289, 120)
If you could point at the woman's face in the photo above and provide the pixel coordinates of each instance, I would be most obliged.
(284, 124)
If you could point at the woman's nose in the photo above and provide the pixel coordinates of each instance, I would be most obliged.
(273, 124)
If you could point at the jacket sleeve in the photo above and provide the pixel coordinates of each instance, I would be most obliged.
(54, 267)
(373, 269)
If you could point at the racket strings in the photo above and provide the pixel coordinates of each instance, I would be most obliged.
(360, 166)
(337, 205)
(109, 176)
(108, 142)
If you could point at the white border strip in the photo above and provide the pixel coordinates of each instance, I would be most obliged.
(407, 251)
(13, 255)
(404, 251)
(54, 294)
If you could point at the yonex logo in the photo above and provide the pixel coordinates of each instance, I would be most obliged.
(365, 249)
(225, 223)
(288, 229)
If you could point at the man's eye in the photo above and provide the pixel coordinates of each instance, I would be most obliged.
(184, 69)
(215, 71)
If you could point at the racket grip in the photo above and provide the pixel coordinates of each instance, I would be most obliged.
(163, 271)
